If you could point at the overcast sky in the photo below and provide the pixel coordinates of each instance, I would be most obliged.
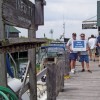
(72, 12)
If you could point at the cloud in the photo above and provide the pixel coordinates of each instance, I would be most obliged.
(70, 9)
(72, 12)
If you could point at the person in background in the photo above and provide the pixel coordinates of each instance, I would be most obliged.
(98, 47)
(84, 55)
(92, 45)
(73, 54)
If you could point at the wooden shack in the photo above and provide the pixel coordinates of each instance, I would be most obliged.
(11, 31)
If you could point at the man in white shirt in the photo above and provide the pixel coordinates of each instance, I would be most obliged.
(92, 45)
(73, 54)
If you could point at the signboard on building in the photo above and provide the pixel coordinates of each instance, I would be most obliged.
(98, 13)
(19, 13)
(79, 45)
(89, 26)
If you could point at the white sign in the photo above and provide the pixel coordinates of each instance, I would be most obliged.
(79, 45)
(89, 26)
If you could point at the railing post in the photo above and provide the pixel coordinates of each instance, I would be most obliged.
(32, 69)
(3, 73)
(55, 78)
(51, 81)
(67, 64)
(62, 66)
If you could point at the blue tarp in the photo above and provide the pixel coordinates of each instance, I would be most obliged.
(8, 65)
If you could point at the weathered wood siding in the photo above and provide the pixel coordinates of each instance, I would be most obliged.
(13, 35)
(39, 12)
(55, 79)
(32, 70)
(21, 13)
(3, 73)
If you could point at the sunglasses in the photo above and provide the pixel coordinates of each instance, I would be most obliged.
(74, 35)
(82, 36)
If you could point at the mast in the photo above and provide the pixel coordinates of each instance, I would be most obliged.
(63, 29)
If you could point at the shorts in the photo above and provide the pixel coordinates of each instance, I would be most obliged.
(73, 56)
(93, 51)
(84, 58)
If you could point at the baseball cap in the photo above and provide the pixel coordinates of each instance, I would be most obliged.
(74, 34)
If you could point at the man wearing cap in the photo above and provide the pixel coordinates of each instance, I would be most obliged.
(73, 54)
(84, 55)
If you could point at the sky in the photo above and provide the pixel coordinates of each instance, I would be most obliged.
(70, 12)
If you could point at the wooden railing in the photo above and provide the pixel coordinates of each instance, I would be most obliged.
(55, 79)
(55, 71)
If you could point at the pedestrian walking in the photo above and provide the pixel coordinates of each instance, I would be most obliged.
(92, 45)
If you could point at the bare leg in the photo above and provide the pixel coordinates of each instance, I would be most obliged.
(87, 65)
(93, 56)
(90, 54)
(82, 63)
(88, 69)
(72, 64)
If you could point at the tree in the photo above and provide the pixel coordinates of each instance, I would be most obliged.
(51, 32)
(44, 35)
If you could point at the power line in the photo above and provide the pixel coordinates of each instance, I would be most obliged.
(90, 18)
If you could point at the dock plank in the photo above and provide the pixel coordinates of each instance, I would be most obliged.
(82, 85)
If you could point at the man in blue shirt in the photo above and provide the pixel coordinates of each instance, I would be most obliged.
(98, 47)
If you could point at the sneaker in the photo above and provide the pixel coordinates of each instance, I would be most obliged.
(89, 71)
(72, 71)
(83, 70)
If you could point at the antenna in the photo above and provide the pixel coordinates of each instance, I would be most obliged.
(63, 27)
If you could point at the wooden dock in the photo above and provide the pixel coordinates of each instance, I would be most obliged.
(82, 85)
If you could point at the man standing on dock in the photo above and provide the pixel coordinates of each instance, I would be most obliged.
(84, 57)
(73, 54)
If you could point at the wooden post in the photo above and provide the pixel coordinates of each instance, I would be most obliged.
(3, 73)
(67, 63)
(61, 65)
(60, 76)
(32, 70)
(51, 81)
